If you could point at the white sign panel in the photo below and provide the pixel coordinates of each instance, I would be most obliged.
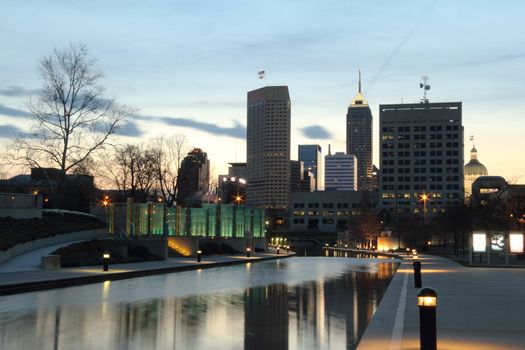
(516, 242)
(479, 242)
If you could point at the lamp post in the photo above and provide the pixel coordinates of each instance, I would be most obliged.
(427, 303)
(105, 261)
(248, 251)
(417, 273)
(199, 255)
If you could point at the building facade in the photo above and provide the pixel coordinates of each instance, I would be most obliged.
(193, 177)
(312, 158)
(341, 172)
(268, 147)
(328, 211)
(359, 137)
(421, 156)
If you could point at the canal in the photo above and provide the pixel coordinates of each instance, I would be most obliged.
(294, 303)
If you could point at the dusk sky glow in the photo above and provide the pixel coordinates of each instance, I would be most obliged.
(187, 65)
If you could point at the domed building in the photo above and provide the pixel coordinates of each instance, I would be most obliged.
(472, 170)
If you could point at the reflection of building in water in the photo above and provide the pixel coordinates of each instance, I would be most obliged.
(266, 317)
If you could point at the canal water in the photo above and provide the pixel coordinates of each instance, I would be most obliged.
(294, 303)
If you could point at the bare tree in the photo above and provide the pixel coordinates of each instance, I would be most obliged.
(168, 153)
(72, 117)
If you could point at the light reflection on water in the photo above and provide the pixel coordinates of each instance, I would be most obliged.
(297, 303)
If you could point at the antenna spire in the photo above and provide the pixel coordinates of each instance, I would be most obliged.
(359, 81)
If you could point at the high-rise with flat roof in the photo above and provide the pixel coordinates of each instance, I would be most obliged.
(421, 156)
(340, 172)
(312, 158)
(359, 138)
(268, 147)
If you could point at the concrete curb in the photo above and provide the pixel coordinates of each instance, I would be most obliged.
(76, 281)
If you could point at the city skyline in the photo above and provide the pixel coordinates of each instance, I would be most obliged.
(188, 70)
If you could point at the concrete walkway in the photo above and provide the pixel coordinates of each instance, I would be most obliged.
(478, 308)
(26, 281)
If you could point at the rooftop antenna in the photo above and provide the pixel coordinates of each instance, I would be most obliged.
(359, 81)
(425, 86)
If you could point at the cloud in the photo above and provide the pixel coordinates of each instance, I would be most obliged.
(10, 131)
(316, 132)
(12, 112)
(237, 131)
(129, 128)
(17, 91)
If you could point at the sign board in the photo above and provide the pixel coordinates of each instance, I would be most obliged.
(516, 242)
(479, 242)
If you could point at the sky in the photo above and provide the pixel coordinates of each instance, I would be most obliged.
(187, 65)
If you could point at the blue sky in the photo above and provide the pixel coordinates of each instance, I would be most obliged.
(187, 65)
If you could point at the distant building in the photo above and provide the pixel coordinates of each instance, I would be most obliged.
(359, 137)
(238, 170)
(232, 189)
(472, 170)
(328, 211)
(268, 147)
(341, 172)
(375, 179)
(301, 180)
(421, 156)
(312, 158)
(193, 179)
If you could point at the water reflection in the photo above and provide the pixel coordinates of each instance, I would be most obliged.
(326, 311)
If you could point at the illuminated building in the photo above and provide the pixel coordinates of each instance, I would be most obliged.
(341, 172)
(472, 170)
(359, 137)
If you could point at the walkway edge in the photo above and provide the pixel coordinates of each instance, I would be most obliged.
(76, 281)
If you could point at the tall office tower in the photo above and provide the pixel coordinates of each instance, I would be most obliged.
(193, 178)
(341, 172)
(359, 137)
(312, 158)
(268, 147)
(421, 156)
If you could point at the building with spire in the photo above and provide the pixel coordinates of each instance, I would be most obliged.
(472, 170)
(359, 138)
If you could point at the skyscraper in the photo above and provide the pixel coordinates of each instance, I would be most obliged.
(359, 138)
(312, 158)
(340, 172)
(268, 147)
(193, 178)
(421, 156)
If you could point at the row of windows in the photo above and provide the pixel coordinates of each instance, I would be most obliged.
(419, 128)
(419, 178)
(421, 187)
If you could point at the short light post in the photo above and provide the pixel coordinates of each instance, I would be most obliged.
(278, 250)
(417, 274)
(199, 255)
(248, 251)
(408, 251)
(105, 261)
(427, 303)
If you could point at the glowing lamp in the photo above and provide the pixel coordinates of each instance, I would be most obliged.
(427, 297)
(479, 242)
(105, 261)
(248, 251)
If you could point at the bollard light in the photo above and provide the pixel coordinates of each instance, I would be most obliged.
(427, 303)
(278, 250)
(326, 244)
(417, 274)
(408, 251)
(199, 255)
(248, 251)
(105, 261)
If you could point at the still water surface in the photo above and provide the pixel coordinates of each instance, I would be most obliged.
(295, 303)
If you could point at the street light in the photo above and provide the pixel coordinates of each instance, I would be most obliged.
(105, 261)
(427, 303)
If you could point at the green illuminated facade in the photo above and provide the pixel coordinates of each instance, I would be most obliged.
(212, 220)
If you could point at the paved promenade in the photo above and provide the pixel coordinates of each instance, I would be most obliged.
(478, 308)
(25, 281)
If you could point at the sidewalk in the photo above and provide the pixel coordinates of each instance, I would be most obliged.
(478, 308)
(26, 281)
